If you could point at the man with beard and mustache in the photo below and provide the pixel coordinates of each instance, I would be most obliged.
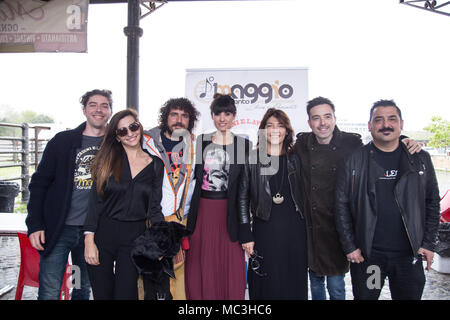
(387, 210)
(59, 193)
(173, 142)
(321, 152)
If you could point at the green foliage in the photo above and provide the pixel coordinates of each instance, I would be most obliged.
(20, 207)
(440, 132)
(28, 116)
(32, 117)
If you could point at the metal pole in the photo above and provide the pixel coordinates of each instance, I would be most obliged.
(36, 147)
(133, 33)
(25, 162)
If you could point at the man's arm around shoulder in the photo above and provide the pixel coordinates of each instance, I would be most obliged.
(342, 210)
(432, 204)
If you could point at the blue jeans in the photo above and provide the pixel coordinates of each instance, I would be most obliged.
(53, 266)
(335, 286)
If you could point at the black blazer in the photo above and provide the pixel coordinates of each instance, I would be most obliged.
(236, 171)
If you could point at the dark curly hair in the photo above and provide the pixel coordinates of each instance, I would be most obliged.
(106, 93)
(177, 104)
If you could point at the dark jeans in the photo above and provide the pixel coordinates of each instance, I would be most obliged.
(115, 278)
(53, 266)
(406, 277)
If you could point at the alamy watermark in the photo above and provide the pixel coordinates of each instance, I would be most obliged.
(74, 279)
(238, 153)
(374, 280)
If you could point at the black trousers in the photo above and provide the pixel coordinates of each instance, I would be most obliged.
(116, 276)
(405, 274)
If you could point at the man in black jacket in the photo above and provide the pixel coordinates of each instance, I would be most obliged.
(59, 192)
(387, 210)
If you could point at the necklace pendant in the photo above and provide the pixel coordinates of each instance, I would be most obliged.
(278, 198)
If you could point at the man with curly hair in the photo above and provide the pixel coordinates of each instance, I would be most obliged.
(172, 141)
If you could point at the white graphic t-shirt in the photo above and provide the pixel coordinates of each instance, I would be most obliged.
(216, 169)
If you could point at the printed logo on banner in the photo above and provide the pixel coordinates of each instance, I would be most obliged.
(254, 90)
(247, 93)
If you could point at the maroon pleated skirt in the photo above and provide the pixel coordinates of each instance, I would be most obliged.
(214, 266)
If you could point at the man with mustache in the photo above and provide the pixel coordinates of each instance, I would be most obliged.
(59, 193)
(387, 210)
(321, 152)
(173, 142)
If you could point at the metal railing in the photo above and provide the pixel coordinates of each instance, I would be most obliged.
(430, 5)
(12, 147)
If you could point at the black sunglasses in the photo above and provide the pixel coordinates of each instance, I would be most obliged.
(255, 264)
(122, 132)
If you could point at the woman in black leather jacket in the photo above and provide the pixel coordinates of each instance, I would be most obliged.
(215, 261)
(270, 194)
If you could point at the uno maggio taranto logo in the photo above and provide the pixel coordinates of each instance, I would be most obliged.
(247, 93)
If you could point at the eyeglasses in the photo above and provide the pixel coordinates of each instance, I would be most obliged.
(255, 264)
(122, 132)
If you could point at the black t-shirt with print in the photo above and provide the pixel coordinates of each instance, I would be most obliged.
(390, 233)
(175, 155)
(82, 180)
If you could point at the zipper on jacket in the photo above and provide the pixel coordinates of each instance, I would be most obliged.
(292, 195)
(403, 219)
(353, 179)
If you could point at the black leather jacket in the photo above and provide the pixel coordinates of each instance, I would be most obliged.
(254, 191)
(416, 192)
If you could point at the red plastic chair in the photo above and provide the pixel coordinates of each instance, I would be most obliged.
(29, 269)
(445, 207)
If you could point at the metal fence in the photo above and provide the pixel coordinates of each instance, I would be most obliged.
(23, 152)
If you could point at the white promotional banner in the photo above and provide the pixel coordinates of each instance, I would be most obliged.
(43, 26)
(255, 91)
